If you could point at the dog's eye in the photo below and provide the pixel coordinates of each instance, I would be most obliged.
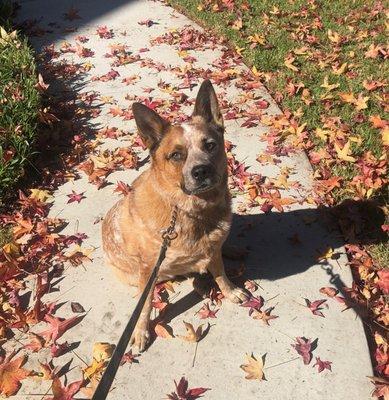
(210, 146)
(176, 156)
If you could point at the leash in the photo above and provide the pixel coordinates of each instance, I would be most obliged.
(105, 383)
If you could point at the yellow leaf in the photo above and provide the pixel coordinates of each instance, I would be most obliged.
(327, 86)
(289, 63)
(182, 53)
(253, 368)
(237, 24)
(361, 102)
(40, 195)
(328, 253)
(347, 97)
(257, 39)
(11, 249)
(344, 153)
(322, 133)
(340, 70)
(107, 99)
(301, 51)
(333, 36)
(102, 351)
(239, 50)
(88, 66)
(385, 136)
(95, 368)
(192, 334)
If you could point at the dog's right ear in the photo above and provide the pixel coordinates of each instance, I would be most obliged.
(150, 125)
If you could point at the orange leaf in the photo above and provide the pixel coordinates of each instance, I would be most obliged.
(11, 373)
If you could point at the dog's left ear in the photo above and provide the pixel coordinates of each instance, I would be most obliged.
(207, 105)
(150, 125)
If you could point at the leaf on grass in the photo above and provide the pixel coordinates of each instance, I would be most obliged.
(254, 368)
(344, 153)
(289, 63)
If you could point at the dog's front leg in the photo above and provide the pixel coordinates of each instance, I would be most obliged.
(141, 334)
(229, 290)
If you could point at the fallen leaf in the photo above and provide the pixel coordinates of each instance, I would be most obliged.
(183, 393)
(163, 331)
(265, 316)
(192, 334)
(303, 347)
(344, 153)
(254, 368)
(77, 307)
(315, 307)
(58, 326)
(11, 373)
(65, 392)
(322, 365)
(75, 197)
(129, 358)
(206, 312)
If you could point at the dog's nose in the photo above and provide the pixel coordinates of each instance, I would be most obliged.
(201, 172)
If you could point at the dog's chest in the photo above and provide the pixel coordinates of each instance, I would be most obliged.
(194, 248)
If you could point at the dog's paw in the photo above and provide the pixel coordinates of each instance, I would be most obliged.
(236, 294)
(202, 284)
(140, 338)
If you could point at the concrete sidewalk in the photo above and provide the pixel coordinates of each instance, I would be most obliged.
(283, 246)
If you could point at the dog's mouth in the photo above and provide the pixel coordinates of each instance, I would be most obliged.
(203, 188)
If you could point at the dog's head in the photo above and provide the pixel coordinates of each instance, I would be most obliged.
(190, 157)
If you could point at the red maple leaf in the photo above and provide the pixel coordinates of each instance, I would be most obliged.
(122, 188)
(65, 392)
(315, 307)
(104, 32)
(183, 393)
(303, 347)
(75, 197)
(129, 358)
(58, 349)
(206, 312)
(383, 281)
(322, 365)
(58, 326)
(254, 303)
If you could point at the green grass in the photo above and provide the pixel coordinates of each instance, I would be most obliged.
(19, 105)
(5, 236)
(357, 23)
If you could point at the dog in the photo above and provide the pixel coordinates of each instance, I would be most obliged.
(188, 170)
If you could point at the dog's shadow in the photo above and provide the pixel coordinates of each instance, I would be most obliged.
(288, 243)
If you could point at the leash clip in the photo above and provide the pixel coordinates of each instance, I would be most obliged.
(170, 233)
